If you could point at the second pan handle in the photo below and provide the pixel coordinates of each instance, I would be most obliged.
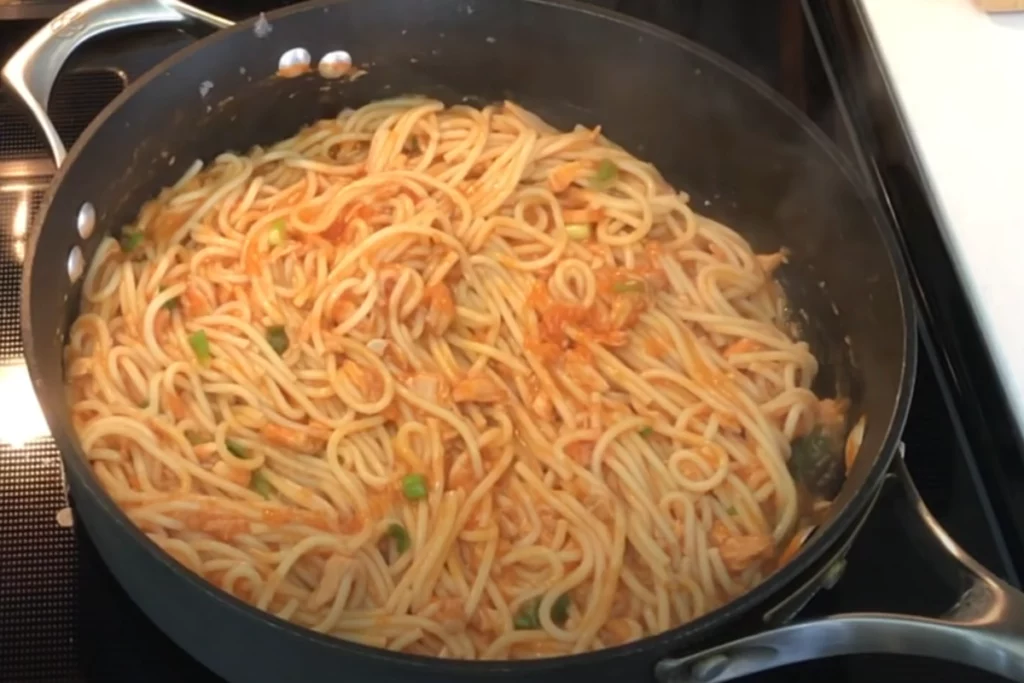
(984, 629)
(32, 70)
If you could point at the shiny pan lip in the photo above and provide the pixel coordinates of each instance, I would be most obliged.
(652, 646)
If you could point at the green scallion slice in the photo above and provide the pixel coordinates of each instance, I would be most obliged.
(200, 345)
(236, 449)
(607, 173)
(629, 286)
(277, 232)
(130, 240)
(277, 338)
(401, 536)
(578, 232)
(414, 486)
(527, 617)
(560, 610)
(260, 484)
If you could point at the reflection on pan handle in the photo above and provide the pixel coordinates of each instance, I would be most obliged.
(30, 73)
(984, 629)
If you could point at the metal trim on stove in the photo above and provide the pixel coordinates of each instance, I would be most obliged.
(27, 168)
(983, 415)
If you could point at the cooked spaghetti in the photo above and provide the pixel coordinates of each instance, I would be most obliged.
(446, 381)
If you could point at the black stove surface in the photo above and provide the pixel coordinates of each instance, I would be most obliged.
(64, 618)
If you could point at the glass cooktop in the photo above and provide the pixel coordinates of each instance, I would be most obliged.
(64, 618)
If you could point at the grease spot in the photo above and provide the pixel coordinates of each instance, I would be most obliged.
(205, 87)
(491, 39)
(262, 27)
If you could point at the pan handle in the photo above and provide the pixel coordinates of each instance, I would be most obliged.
(984, 629)
(31, 72)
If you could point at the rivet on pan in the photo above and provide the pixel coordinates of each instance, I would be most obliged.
(294, 62)
(335, 64)
(76, 264)
(86, 220)
(65, 518)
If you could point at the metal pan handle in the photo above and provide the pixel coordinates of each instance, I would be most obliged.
(31, 72)
(984, 629)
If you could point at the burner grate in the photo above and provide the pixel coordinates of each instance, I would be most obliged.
(19, 203)
(39, 568)
(39, 557)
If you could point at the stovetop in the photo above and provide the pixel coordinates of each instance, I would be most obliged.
(64, 618)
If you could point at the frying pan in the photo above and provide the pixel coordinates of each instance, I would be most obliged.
(747, 158)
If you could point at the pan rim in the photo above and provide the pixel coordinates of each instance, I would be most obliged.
(652, 646)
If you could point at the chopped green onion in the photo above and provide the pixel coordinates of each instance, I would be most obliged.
(401, 536)
(144, 404)
(277, 230)
(194, 439)
(606, 174)
(647, 431)
(730, 510)
(817, 462)
(277, 338)
(414, 486)
(578, 231)
(172, 303)
(130, 240)
(201, 345)
(260, 484)
(625, 286)
(560, 610)
(236, 449)
(528, 616)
